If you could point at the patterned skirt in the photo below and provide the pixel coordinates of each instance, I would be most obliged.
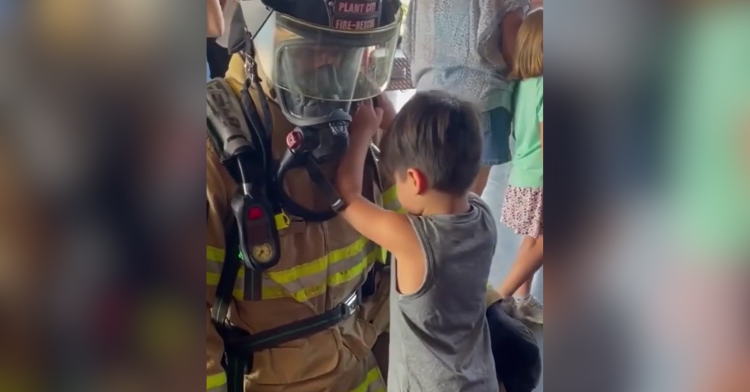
(522, 211)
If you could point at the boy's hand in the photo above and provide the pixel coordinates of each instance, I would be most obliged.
(389, 111)
(366, 121)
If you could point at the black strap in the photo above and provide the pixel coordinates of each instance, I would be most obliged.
(248, 344)
(262, 130)
(237, 33)
(258, 125)
(228, 277)
(316, 175)
(263, 104)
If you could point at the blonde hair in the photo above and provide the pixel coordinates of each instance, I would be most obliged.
(528, 60)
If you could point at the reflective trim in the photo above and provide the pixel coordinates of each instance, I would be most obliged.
(272, 290)
(373, 382)
(215, 254)
(319, 265)
(214, 264)
(216, 382)
(390, 200)
(212, 279)
(305, 281)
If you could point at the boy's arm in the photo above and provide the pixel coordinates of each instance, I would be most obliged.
(389, 229)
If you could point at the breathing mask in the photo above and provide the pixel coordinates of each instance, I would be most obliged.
(318, 70)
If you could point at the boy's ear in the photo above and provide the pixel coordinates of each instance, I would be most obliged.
(418, 180)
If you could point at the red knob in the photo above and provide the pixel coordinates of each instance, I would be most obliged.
(294, 139)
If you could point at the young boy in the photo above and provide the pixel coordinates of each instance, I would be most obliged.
(443, 247)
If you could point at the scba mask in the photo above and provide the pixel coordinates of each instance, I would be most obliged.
(318, 74)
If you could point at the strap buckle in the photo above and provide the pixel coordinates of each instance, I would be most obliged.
(247, 56)
(350, 305)
(249, 67)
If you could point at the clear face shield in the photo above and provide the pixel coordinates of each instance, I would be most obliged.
(318, 71)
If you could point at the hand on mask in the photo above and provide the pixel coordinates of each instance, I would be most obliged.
(365, 122)
(389, 111)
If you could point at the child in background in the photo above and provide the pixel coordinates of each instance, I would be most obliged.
(466, 47)
(214, 25)
(522, 208)
(443, 246)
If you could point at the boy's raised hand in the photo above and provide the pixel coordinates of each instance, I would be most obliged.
(389, 111)
(366, 121)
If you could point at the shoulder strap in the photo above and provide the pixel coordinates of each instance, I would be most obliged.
(235, 132)
(229, 271)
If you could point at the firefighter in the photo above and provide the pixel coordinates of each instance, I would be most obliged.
(297, 299)
(309, 300)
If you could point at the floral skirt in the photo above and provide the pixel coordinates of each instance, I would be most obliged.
(522, 211)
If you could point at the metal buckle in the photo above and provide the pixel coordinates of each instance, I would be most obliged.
(249, 66)
(351, 304)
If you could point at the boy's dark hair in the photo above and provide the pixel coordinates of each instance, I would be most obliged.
(439, 135)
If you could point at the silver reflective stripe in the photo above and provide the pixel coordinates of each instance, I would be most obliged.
(332, 272)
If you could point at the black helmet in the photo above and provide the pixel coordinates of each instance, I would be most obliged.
(322, 55)
(340, 14)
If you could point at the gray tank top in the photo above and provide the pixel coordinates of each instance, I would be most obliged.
(439, 335)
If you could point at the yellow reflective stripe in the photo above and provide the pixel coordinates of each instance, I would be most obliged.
(273, 292)
(212, 279)
(214, 254)
(334, 273)
(390, 198)
(319, 265)
(215, 269)
(355, 271)
(390, 201)
(372, 376)
(215, 260)
(216, 380)
(214, 264)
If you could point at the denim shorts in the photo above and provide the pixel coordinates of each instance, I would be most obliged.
(496, 134)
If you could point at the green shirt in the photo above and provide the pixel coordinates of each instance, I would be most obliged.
(528, 167)
(710, 110)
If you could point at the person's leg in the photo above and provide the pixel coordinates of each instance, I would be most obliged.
(518, 282)
(523, 212)
(495, 146)
(528, 261)
(525, 289)
(481, 182)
